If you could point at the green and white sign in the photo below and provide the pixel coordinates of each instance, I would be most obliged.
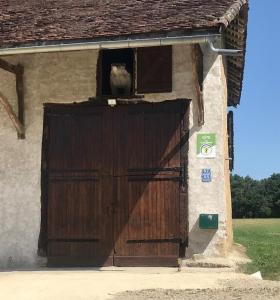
(206, 145)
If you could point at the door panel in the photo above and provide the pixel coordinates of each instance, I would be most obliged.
(148, 184)
(80, 189)
(148, 222)
(77, 209)
(151, 207)
(148, 137)
(78, 142)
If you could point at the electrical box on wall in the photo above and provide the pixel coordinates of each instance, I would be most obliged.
(208, 221)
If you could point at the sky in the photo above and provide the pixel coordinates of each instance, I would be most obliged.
(257, 119)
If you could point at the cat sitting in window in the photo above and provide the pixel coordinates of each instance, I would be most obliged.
(120, 80)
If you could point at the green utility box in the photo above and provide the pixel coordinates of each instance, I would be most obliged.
(208, 221)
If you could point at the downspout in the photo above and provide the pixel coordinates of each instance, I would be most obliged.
(224, 52)
(118, 44)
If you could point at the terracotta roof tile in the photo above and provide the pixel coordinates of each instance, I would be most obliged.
(32, 21)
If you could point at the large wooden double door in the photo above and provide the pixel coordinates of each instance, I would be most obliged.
(113, 184)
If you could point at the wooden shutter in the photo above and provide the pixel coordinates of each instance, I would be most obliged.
(99, 75)
(230, 139)
(198, 56)
(154, 70)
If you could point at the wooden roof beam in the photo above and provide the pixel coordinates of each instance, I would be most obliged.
(8, 108)
(8, 66)
(18, 120)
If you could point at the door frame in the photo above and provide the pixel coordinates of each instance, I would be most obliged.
(54, 108)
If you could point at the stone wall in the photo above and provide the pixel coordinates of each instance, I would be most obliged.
(69, 77)
(209, 197)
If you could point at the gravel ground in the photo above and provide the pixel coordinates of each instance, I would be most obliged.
(134, 283)
(232, 290)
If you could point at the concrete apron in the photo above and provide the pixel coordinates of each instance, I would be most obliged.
(103, 283)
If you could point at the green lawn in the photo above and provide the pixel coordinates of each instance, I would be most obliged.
(261, 237)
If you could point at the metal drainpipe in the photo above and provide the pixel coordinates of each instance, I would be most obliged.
(224, 52)
(128, 43)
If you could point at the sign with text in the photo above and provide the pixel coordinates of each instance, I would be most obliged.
(206, 175)
(206, 145)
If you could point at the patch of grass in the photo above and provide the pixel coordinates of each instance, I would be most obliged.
(261, 237)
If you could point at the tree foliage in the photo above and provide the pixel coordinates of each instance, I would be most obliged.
(255, 198)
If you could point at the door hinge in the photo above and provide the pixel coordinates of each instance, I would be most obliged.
(183, 175)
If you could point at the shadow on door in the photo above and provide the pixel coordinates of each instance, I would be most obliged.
(112, 184)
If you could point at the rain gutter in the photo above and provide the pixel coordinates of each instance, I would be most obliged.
(125, 43)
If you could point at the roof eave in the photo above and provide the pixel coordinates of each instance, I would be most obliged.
(234, 27)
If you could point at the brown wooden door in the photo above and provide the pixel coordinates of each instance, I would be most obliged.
(114, 184)
(80, 189)
(148, 169)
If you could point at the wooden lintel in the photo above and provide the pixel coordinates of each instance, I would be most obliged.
(199, 93)
(8, 108)
(8, 66)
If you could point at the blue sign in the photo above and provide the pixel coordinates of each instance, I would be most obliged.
(206, 175)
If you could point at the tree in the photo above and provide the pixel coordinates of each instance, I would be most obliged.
(255, 198)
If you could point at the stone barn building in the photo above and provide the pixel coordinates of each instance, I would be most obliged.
(115, 133)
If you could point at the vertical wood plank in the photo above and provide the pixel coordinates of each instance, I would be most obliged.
(20, 95)
(43, 236)
(197, 69)
(183, 207)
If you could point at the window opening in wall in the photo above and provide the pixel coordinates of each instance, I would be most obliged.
(117, 72)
